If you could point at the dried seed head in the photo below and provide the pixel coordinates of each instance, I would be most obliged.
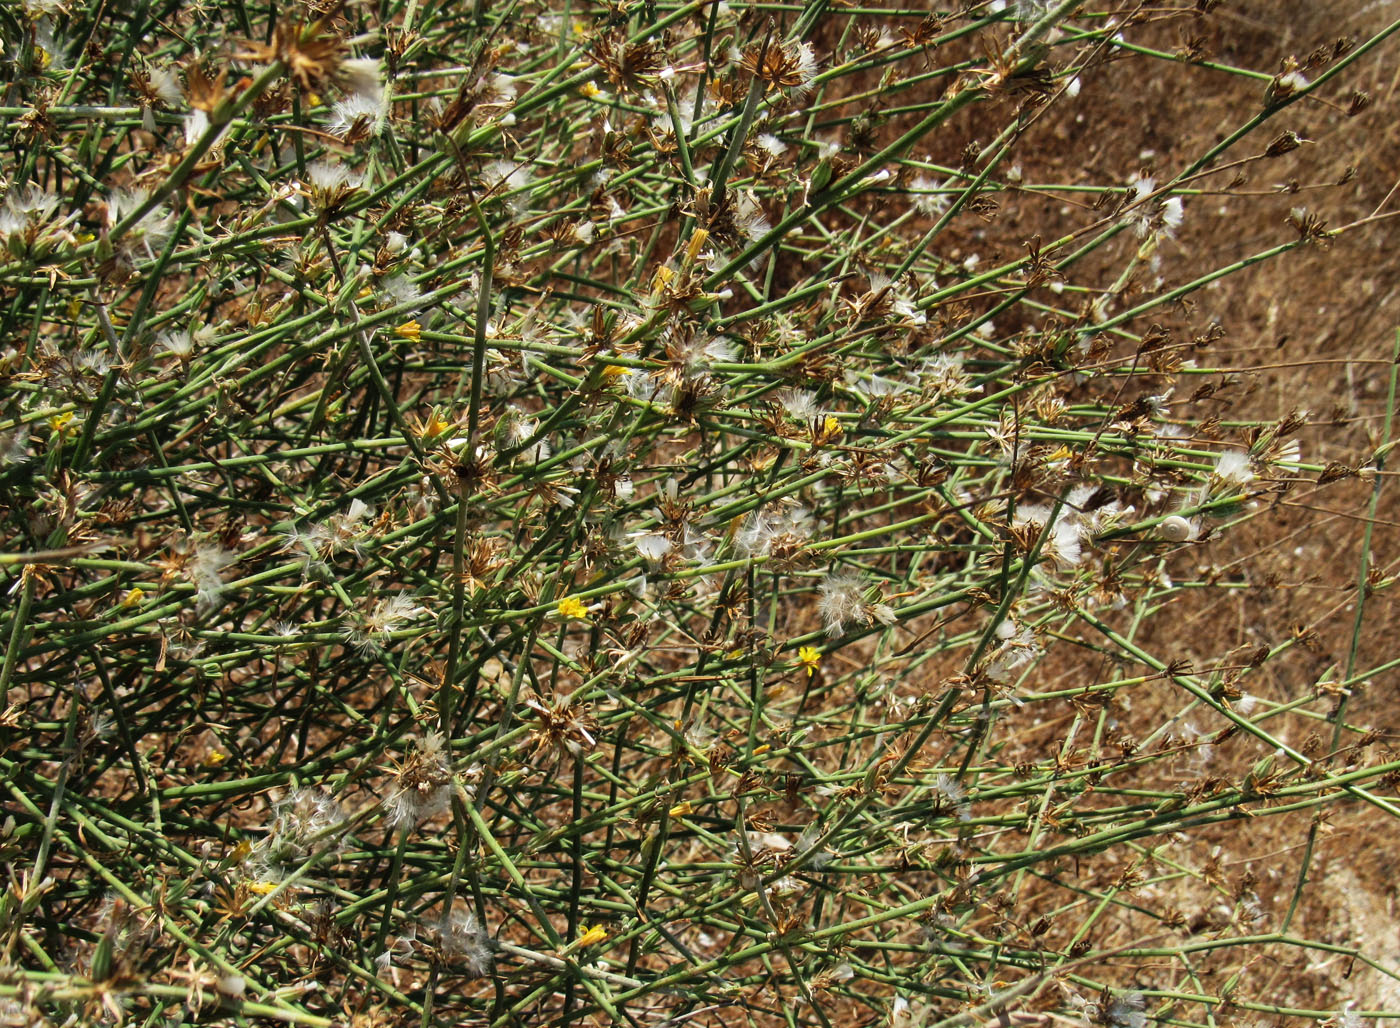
(629, 66)
(1287, 83)
(1283, 143)
(311, 57)
(781, 65)
(841, 602)
(1311, 228)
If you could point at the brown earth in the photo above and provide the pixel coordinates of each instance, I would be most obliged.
(1314, 331)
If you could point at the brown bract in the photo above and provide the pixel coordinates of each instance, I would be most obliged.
(311, 56)
(629, 66)
(774, 64)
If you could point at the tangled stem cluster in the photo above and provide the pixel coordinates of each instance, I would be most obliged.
(546, 514)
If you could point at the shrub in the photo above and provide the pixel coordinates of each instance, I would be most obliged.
(643, 513)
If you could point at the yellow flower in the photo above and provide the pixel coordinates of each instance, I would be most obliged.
(809, 657)
(59, 422)
(214, 758)
(409, 330)
(591, 936)
(696, 244)
(261, 888)
(435, 425)
(826, 430)
(661, 279)
(612, 371)
(572, 608)
(133, 597)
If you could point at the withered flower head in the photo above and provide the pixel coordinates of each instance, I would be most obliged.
(629, 66)
(205, 93)
(155, 87)
(781, 65)
(312, 57)
(563, 729)
(330, 184)
(1288, 82)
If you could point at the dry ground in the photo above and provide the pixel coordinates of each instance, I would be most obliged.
(1315, 331)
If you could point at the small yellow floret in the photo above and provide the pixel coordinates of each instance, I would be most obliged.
(591, 936)
(661, 279)
(697, 243)
(572, 607)
(436, 426)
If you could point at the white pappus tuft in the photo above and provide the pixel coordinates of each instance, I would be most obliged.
(841, 602)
